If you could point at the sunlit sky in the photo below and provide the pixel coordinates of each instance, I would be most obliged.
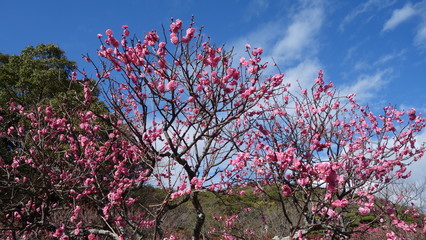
(374, 48)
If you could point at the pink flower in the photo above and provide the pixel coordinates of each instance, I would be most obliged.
(162, 44)
(351, 96)
(15, 164)
(204, 81)
(303, 181)
(363, 210)
(130, 201)
(172, 85)
(253, 69)
(87, 93)
(335, 105)
(10, 130)
(17, 215)
(108, 32)
(59, 231)
(160, 87)
(412, 114)
(91, 236)
(182, 186)
(77, 210)
(336, 123)
(105, 211)
(197, 183)
(391, 236)
(199, 88)
(176, 26)
(174, 39)
(170, 238)
(176, 195)
(64, 237)
(191, 99)
(189, 35)
(286, 190)
(257, 51)
(340, 203)
(331, 212)
(248, 92)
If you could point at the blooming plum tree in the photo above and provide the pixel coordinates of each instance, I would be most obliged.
(183, 101)
(326, 157)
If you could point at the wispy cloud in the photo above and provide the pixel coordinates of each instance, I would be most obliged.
(263, 36)
(380, 62)
(288, 42)
(368, 6)
(255, 8)
(367, 86)
(299, 37)
(389, 57)
(303, 74)
(399, 16)
(405, 13)
(354, 51)
(420, 38)
(415, 168)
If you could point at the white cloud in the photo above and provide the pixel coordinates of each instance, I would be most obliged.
(365, 64)
(299, 37)
(263, 36)
(351, 52)
(399, 16)
(389, 57)
(417, 168)
(364, 8)
(288, 42)
(255, 8)
(366, 86)
(358, 11)
(404, 14)
(303, 74)
(420, 38)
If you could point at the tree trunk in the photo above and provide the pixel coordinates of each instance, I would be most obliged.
(200, 217)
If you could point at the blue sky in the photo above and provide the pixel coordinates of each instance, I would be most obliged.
(374, 48)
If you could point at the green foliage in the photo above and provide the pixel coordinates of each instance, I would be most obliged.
(37, 74)
(38, 77)
(367, 219)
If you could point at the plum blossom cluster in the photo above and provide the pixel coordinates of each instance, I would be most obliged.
(64, 162)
